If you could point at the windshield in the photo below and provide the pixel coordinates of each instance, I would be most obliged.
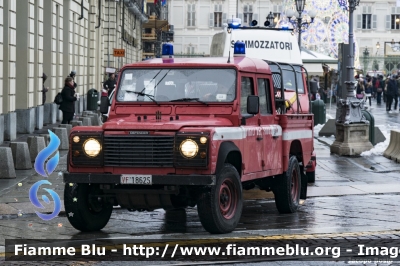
(165, 85)
(288, 77)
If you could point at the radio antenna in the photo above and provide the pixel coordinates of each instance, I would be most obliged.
(229, 30)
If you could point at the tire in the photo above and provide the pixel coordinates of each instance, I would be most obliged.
(84, 214)
(310, 177)
(287, 191)
(220, 207)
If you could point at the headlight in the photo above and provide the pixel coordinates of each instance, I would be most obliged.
(189, 148)
(92, 147)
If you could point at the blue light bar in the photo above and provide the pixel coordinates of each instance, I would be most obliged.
(234, 23)
(167, 50)
(239, 49)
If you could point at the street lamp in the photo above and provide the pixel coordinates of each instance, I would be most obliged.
(296, 18)
(366, 54)
(270, 20)
(377, 47)
(352, 129)
(354, 116)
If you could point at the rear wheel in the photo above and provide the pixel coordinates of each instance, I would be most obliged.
(220, 207)
(84, 209)
(287, 190)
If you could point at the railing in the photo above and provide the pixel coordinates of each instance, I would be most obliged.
(388, 65)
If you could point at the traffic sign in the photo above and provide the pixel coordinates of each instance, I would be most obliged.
(119, 52)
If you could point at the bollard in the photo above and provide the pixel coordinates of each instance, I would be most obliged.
(394, 145)
(20, 154)
(86, 121)
(35, 145)
(62, 135)
(7, 169)
(75, 123)
(68, 127)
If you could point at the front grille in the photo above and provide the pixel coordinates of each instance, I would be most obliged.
(139, 151)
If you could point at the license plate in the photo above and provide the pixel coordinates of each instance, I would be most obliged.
(137, 179)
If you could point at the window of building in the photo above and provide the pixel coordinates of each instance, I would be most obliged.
(247, 89)
(395, 22)
(247, 13)
(191, 15)
(190, 50)
(218, 16)
(265, 96)
(366, 21)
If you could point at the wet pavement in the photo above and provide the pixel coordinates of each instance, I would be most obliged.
(357, 197)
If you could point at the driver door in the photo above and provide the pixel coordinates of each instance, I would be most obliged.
(252, 145)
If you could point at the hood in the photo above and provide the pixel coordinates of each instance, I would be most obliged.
(44, 77)
(165, 124)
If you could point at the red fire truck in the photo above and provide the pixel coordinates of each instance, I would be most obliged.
(194, 131)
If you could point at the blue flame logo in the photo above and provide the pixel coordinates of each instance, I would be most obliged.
(40, 164)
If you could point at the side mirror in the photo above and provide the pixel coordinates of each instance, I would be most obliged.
(104, 104)
(253, 104)
(313, 87)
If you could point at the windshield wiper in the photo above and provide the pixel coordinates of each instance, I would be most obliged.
(151, 97)
(189, 100)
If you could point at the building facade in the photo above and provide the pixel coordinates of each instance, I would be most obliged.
(55, 37)
(195, 22)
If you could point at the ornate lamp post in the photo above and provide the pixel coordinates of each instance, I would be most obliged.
(352, 129)
(270, 20)
(296, 18)
(377, 48)
(366, 54)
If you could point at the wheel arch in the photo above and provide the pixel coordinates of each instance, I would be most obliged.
(229, 153)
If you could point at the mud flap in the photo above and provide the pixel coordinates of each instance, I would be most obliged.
(303, 191)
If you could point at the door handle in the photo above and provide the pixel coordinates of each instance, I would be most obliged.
(259, 138)
(275, 137)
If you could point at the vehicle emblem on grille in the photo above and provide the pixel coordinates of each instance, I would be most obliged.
(138, 132)
(158, 115)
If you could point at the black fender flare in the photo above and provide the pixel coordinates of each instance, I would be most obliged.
(224, 149)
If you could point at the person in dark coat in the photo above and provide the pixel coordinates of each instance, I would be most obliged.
(44, 89)
(72, 75)
(109, 85)
(68, 104)
(390, 93)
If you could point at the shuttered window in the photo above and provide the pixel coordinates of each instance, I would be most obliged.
(191, 15)
(247, 14)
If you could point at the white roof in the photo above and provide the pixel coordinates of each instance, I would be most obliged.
(313, 57)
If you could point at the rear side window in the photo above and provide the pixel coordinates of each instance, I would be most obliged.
(247, 88)
(265, 96)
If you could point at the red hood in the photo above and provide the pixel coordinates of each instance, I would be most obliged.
(165, 123)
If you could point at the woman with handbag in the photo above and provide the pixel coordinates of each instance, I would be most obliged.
(368, 90)
(360, 89)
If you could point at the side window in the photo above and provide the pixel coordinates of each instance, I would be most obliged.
(247, 89)
(265, 96)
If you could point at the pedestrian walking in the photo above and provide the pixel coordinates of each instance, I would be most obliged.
(68, 104)
(72, 75)
(398, 89)
(380, 89)
(368, 90)
(391, 92)
(360, 89)
(109, 85)
(44, 89)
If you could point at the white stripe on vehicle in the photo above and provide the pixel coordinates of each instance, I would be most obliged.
(297, 134)
(236, 133)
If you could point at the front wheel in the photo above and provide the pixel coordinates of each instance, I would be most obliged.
(288, 188)
(220, 207)
(85, 210)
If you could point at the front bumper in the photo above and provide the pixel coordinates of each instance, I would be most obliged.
(189, 180)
